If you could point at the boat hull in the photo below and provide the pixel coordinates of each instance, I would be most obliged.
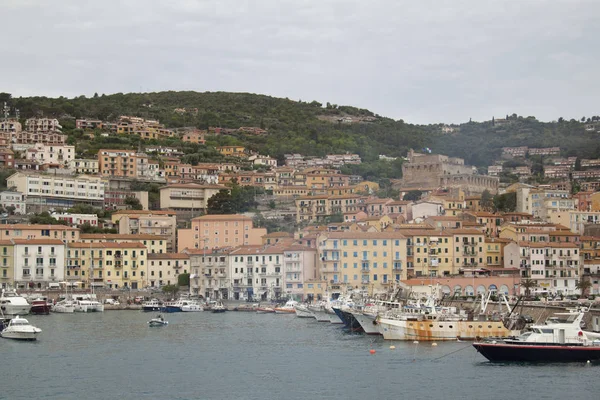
(15, 335)
(501, 352)
(151, 308)
(11, 310)
(285, 311)
(367, 323)
(303, 312)
(334, 319)
(319, 314)
(157, 323)
(442, 330)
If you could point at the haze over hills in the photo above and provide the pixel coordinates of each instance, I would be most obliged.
(313, 128)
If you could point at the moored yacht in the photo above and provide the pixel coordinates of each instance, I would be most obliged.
(64, 306)
(191, 306)
(11, 303)
(560, 339)
(152, 305)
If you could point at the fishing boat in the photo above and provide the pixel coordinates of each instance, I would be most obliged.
(41, 305)
(288, 308)
(559, 339)
(20, 329)
(158, 321)
(265, 310)
(319, 311)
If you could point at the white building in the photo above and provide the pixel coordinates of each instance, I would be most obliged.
(263, 160)
(38, 262)
(423, 209)
(13, 199)
(77, 219)
(51, 154)
(256, 273)
(84, 166)
(58, 191)
(299, 266)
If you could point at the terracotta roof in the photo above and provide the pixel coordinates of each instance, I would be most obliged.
(222, 217)
(460, 231)
(364, 235)
(562, 233)
(168, 256)
(278, 235)
(143, 212)
(38, 241)
(118, 236)
(56, 227)
(549, 244)
(192, 186)
(107, 245)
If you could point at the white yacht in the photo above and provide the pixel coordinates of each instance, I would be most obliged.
(64, 306)
(11, 303)
(191, 306)
(20, 329)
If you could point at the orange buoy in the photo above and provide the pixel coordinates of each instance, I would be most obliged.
(372, 351)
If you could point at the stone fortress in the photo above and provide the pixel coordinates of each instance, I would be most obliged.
(431, 171)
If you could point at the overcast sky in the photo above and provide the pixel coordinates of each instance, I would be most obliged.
(421, 61)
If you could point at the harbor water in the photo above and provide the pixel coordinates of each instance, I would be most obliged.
(235, 355)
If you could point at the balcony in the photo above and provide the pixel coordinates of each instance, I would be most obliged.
(26, 276)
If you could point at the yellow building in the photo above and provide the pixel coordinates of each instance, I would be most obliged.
(107, 264)
(154, 243)
(316, 289)
(494, 251)
(39, 231)
(165, 268)
(234, 151)
(7, 267)
(429, 252)
(468, 248)
(368, 260)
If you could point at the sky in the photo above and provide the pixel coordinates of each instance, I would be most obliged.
(421, 61)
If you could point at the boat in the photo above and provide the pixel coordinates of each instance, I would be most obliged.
(333, 317)
(319, 312)
(191, 306)
(158, 321)
(429, 322)
(20, 329)
(303, 311)
(88, 306)
(64, 306)
(152, 305)
(288, 308)
(559, 339)
(367, 317)
(11, 303)
(218, 308)
(41, 306)
(265, 310)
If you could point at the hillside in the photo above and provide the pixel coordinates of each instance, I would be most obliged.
(314, 129)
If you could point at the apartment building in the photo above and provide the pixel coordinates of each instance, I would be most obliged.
(318, 208)
(541, 202)
(38, 262)
(299, 266)
(216, 231)
(14, 201)
(145, 129)
(429, 252)
(88, 124)
(257, 272)
(194, 137)
(74, 219)
(123, 163)
(51, 154)
(187, 196)
(42, 125)
(576, 221)
(371, 261)
(7, 158)
(153, 243)
(108, 264)
(233, 151)
(209, 272)
(7, 268)
(64, 233)
(468, 248)
(165, 268)
(490, 221)
(159, 223)
(554, 267)
(48, 190)
(84, 166)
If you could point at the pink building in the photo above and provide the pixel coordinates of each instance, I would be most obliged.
(216, 231)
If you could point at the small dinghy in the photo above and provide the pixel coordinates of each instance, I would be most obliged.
(158, 321)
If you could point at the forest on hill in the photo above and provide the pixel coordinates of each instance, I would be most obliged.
(315, 129)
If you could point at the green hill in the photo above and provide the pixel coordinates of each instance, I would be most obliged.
(310, 128)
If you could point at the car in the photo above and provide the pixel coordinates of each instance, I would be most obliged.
(111, 302)
(527, 319)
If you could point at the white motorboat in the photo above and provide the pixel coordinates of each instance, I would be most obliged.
(288, 308)
(158, 321)
(191, 306)
(20, 329)
(64, 306)
(11, 303)
(302, 311)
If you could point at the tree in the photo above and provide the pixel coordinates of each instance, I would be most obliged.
(583, 285)
(170, 290)
(413, 195)
(528, 284)
(45, 218)
(183, 280)
(272, 204)
(506, 202)
(220, 203)
(486, 200)
(133, 203)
